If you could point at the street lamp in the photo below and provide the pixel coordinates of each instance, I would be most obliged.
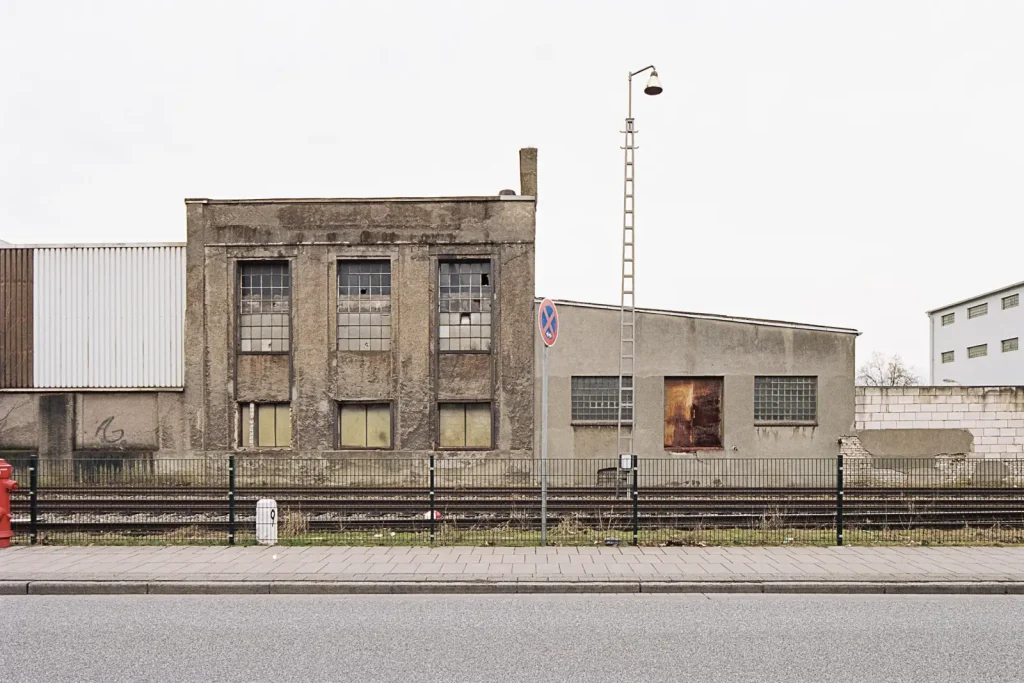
(627, 334)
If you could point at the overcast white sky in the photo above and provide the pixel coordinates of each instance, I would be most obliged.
(846, 163)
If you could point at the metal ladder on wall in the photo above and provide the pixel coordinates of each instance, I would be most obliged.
(627, 328)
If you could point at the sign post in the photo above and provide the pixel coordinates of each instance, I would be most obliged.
(547, 324)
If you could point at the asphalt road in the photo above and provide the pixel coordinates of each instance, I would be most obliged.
(536, 638)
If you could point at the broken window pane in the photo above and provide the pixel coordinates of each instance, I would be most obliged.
(464, 306)
(265, 303)
(364, 305)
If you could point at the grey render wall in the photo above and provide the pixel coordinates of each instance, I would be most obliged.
(415, 235)
(678, 346)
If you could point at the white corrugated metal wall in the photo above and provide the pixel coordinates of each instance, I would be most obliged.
(109, 317)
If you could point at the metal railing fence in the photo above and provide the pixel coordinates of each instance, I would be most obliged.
(463, 500)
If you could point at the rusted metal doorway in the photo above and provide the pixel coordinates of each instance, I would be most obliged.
(693, 413)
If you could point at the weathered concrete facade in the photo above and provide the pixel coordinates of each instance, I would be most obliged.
(680, 345)
(415, 236)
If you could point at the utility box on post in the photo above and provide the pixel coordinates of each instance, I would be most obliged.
(266, 521)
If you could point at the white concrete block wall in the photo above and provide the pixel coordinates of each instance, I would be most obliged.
(994, 415)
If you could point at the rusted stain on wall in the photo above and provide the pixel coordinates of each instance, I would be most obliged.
(16, 277)
(693, 413)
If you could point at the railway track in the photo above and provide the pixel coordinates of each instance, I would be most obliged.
(143, 511)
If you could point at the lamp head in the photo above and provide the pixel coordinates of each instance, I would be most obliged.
(653, 86)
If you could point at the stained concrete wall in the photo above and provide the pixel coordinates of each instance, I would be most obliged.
(677, 346)
(86, 424)
(415, 235)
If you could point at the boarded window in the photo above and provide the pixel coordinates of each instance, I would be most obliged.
(1011, 301)
(266, 425)
(977, 351)
(1010, 344)
(364, 305)
(465, 425)
(786, 399)
(265, 302)
(948, 319)
(464, 300)
(977, 311)
(365, 425)
(596, 399)
(693, 413)
(948, 356)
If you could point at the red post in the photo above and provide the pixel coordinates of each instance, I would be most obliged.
(6, 486)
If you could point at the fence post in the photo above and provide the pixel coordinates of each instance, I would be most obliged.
(231, 500)
(33, 497)
(636, 501)
(839, 500)
(432, 513)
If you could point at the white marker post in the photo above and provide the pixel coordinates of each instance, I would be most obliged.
(547, 323)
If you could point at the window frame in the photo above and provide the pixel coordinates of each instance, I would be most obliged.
(391, 301)
(573, 420)
(493, 325)
(1016, 344)
(254, 408)
(983, 347)
(1014, 298)
(364, 403)
(789, 422)
(464, 403)
(951, 316)
(240, 264)
(982, 307)
(942, 357)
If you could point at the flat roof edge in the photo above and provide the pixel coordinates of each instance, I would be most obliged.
(362, 200)
(975, 298)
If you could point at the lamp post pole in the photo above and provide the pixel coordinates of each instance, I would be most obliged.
(626, 424)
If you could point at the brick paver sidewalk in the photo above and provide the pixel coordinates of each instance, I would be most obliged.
(457, 564)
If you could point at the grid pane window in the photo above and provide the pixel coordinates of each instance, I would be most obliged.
(947, 356)
(1010, 344)
(265, 320)
(364, 305)
(1011, 301)
(465, 425)
(785, 399)
(266, 425)
(596, 399)
(365, 425)
(977, 311)
(977, 351)
(464, 317)
(948, 319)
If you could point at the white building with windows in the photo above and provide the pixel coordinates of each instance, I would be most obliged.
(975, 342)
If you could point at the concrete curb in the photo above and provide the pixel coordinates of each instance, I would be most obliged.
(505, 587)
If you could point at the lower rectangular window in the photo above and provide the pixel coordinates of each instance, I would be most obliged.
(364, 425)
(465, 425)
(266, 425)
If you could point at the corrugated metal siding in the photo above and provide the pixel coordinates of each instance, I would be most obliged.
(109, 317)
(15, 318)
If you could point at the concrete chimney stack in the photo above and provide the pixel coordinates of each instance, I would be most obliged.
(528, 172)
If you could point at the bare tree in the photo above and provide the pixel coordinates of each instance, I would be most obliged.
(882, 371)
